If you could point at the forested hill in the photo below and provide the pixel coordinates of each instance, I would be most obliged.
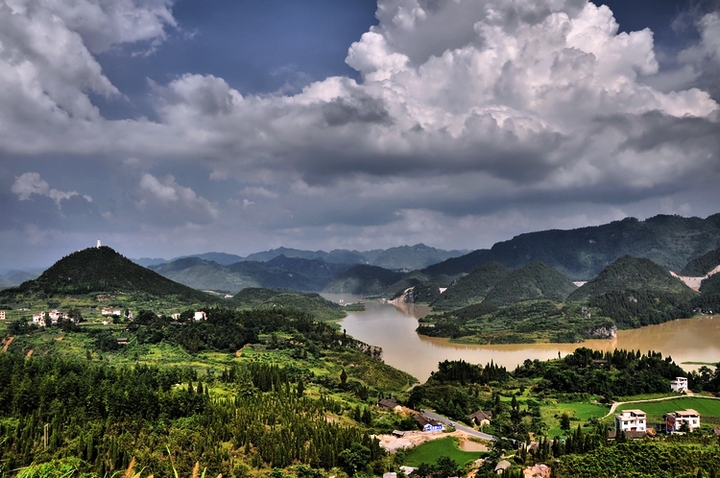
(702, 265)
(102, 269)
(534, 281)
(632, 273)
(580, 254)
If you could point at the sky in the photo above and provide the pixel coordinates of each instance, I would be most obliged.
(167, 128)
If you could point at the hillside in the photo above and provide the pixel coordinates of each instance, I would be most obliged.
(320, 308)
(204, 275)
(308, 275)
(702, 265)
(472, 288)
(580, 254)
(363, 280)
(533, 281)
(632, 273)
(101, 269)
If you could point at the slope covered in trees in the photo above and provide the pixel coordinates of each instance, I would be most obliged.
(101, 269)
(702, 265)
(471, 288)
(632, 273)
(580, 254)
(363, 280)
(533, 281)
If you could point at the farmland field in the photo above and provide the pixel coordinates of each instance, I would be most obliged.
(429, 453)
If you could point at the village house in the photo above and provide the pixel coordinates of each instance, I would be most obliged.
(679, 385)
(675, 421)
(111, 311)
(390, 403)
(481, 417)
(200, 315)
(631, 421)
(502, 466)
(39, 319)
(2, 315)
(427, 424)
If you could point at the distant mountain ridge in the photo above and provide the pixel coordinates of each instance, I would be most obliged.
(580, 254)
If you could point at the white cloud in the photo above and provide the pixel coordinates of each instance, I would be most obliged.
(464, 108)
(167, 202)
(31, 183)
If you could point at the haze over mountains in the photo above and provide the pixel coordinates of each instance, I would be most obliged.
(675, 243)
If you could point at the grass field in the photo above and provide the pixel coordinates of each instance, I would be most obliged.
(429, 453)
(655, 410)
(579, 413)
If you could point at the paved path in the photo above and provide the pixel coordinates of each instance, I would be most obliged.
(661, 399)
(470, 431)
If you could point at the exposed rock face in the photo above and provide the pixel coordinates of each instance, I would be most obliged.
(603, 332)
(407, 297)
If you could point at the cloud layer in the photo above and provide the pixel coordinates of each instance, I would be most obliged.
(466, 111)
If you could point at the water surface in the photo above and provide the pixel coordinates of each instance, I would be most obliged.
(393, 329)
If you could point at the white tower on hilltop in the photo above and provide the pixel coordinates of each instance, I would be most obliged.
(99, 244)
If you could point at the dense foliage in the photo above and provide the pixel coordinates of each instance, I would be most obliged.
(524, 322)
(533, 281)
(471, 288)
(53, 408)
(642, 460)
(101, 269)
(580, 254)
(702, 265)
(608, 374)
(633, 273)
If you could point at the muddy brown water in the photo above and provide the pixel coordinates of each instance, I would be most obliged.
(393, 329)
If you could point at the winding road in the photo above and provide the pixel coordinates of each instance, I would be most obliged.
(470, 431)
(661, 399)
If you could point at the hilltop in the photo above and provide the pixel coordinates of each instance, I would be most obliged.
(632, 273)
(101, 270)
(472, 288)
(533, 281)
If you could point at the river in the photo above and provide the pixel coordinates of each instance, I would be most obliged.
(393, 329)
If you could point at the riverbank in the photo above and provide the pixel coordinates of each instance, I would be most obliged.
(687, 340)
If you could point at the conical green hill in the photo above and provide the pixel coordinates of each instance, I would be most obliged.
(101, 269)
(533, 281)
(472, 288)
(631, 273)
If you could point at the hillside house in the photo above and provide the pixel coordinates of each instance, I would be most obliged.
(481, 417)
(200, 315)
(427, 424)
(39, 319)
(111, 311)
(2, 315)
(390, 403)
(679, 385)
(631, 421)
(675, 421)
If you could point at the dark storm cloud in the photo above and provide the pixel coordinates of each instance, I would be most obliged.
(457, 115)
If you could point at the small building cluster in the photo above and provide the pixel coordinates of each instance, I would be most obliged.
(634, 422)
(54, 315)
(111, 311)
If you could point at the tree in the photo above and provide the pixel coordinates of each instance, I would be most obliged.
(343, 377)
(355, 459)
(565, 422)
